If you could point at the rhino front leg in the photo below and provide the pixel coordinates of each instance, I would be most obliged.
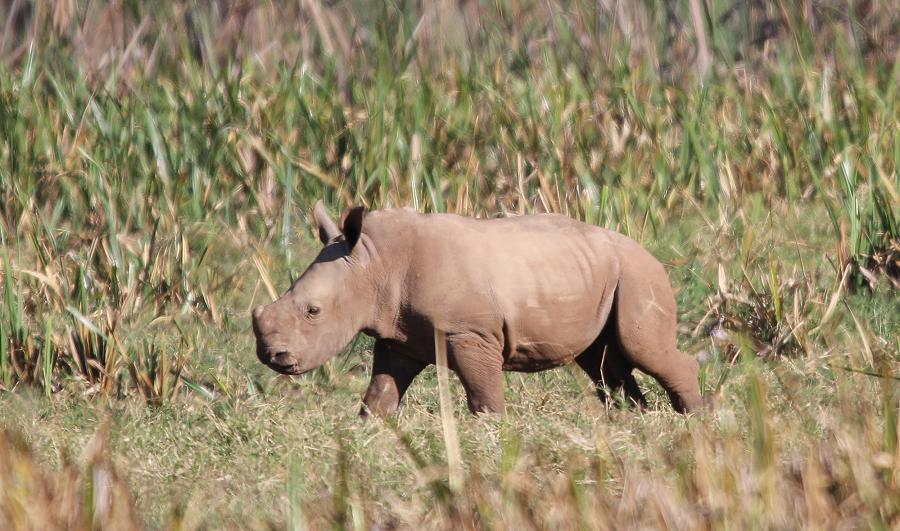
(480, 370)
(392, 373)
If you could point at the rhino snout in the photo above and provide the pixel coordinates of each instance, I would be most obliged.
(266, 323)
(262, 329)
(271, 348)
(258, 313)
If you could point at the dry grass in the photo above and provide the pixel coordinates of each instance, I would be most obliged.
(91, 496)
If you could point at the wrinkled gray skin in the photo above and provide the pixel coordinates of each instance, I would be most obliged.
(517, 294)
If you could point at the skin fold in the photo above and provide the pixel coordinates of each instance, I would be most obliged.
(525, 293)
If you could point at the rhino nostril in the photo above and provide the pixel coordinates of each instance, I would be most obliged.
(281, 358)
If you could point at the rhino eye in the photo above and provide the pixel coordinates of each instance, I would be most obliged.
(313, 310)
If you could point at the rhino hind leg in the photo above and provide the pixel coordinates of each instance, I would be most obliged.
(644, 316)
(606, 366)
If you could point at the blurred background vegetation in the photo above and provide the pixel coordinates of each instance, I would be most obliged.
(158, 161)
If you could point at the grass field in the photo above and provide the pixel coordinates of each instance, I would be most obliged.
(157, 172)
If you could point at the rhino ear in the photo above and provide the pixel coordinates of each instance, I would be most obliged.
(352, 222)
(327, 228)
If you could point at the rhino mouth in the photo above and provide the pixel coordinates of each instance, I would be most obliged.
(291, 369)
(277, 359)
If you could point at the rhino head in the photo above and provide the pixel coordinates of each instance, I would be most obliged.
(327, 305)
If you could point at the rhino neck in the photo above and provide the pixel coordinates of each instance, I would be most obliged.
(389, 262)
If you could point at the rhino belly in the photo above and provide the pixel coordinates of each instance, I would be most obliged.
(534, 356)
(550, 336)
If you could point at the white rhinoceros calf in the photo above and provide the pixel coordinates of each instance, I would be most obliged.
(524, 293)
